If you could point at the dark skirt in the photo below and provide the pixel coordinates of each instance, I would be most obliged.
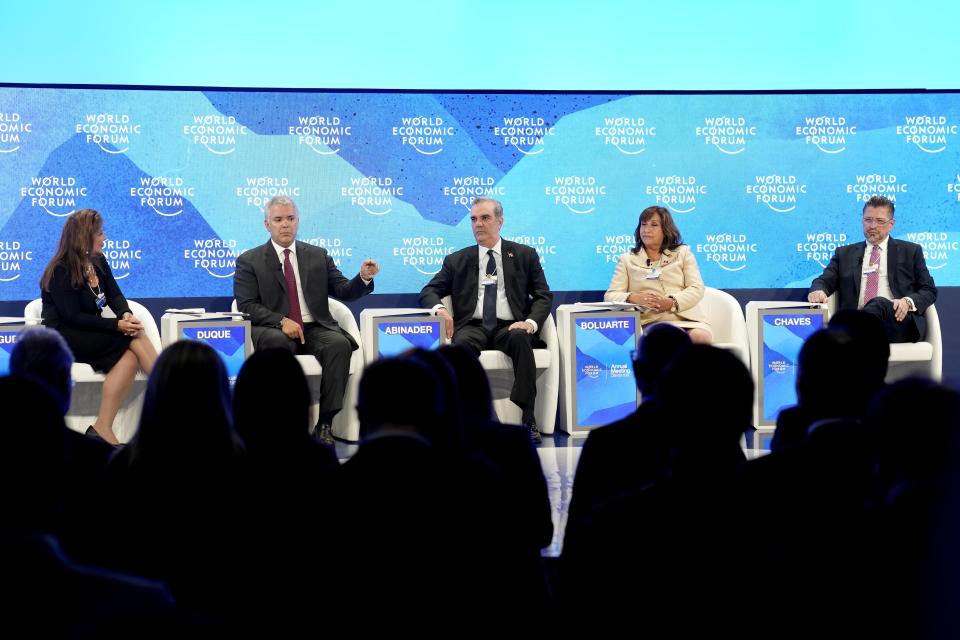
(100, 349)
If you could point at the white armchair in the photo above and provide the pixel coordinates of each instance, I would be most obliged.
(88, 384)
(499, 370)
(907, 359)
(725, 318)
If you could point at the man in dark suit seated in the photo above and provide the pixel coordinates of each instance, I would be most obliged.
(500, 300)
(884, 277)
(283, 285)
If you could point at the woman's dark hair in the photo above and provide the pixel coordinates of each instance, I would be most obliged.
(671, 235)
(186, 409)
(73, 251)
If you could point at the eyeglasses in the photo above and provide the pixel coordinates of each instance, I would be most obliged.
(877, 221)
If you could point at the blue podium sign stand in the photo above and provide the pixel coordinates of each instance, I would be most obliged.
(228, 335)
(777, 331)
(596, 379)
(10, 328)
(390, 332)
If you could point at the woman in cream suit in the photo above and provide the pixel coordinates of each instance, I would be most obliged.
(660, 273)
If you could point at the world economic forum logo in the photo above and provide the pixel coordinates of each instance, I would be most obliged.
(462, 190)
(778, 192)
(729, 251)
(677, 193)
(938, 247)
(162, 194)
(323, 135)
(628, 135)
(729, 134)
(524, 133)
(424, 253)
(57, 195)
(12, 127)
(372, 194)
(217, 134)
(829, 134)
(215, 256)
(579, 194)
(112, 129)
(12, 256)
(929, 133)
(426, 134)
(121, 255)
(819, 246)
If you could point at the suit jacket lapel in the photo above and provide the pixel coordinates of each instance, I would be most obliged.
(303, 265)
(509, 260)
(892, 267)
(274, 265)
(859, 257)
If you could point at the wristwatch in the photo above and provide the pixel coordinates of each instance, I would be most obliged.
(676, 305)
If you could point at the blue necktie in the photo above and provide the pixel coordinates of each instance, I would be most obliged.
(490, 295)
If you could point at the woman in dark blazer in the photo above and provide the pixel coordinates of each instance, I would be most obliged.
(75, 287)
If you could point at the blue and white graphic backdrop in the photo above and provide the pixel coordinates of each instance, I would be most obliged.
(763, 186)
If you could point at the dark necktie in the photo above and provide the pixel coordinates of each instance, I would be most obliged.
(292, 297)
(490, 294)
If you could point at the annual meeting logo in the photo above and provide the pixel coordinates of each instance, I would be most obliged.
(426, 134)
(12, 256)
(938, 247)
(324, 135)
(819, 246)
(215, 256)
(778, 366)
(677, 193)
(614, 246)
(217, 134)
(57, 195)
(423, 253)
(462, 190)
(256, 191)
(868, 185)
(827, 133)
(162, 194)
(626, 134)
(111, 129)
(729, 251)
(539, 243)
(929, 133)
(12, 130)
(729, 134)
(778, 192)
(579, 194)
(523, 133)
(335, 248)
(121, 255)
(374, 195)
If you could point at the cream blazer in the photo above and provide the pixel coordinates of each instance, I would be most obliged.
(679, 277)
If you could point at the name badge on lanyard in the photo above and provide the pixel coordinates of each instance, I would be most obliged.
(654, 273)
(101, 300)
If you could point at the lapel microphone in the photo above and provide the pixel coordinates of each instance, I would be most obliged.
(648, 262)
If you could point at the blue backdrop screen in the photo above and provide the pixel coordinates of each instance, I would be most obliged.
(762, 186)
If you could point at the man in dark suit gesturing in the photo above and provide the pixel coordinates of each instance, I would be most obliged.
(500, 300)
(884, 277)
(283, 285)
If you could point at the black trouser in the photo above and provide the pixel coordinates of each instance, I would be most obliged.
(519, 346)
(905, 331)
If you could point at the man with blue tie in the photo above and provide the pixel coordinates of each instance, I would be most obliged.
(884, 277)
(500, 300)
(283, 285)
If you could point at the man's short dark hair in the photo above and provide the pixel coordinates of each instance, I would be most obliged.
(880, 201)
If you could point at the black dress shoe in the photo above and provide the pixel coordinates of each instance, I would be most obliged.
(534, 432)
(325, 435)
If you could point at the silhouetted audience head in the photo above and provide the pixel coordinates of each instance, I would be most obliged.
(471, 381)
(832, 380)
(658, 346)
(186, 408)
(707, 395)
(31, 457)
(914, 424)
(448, 433)
(261, 420)
(42, 354)
(869, 337)
(399, 394)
